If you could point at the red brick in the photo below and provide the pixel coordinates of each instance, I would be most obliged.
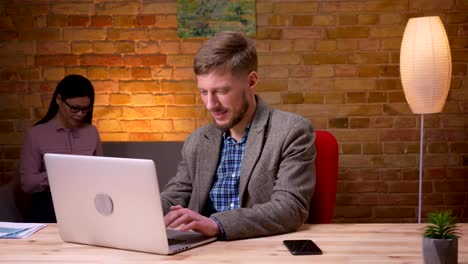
(123, 21)
(431, 5)
(7, 126)
(103, 47)
(301, 20)
(338, 122)
(348, 32)
(305, 33)
(384, 122)
(397, 109)
(394, 148)
(169, 47)
(78, 21)
(440, 160)
(72, 8)
(351, 148)
(347, 19)
(138, 86)
(56, 60)
(386, 31)
(159, 7)
(389, 71)
(359, 175)
(190, 46)
(166, 21)
(52, 47)
(360, 123)
(368, 19)
(81, 34)
(397, 199)
(184, 74)
(377, 97)
(394, 212)
(127, 34)
(400, 134)
(385, 5)
(350, 212)
(452, 186)
(145, 137)
(361, 199)
(269, 33)
(145, 20)
(432, 199)
(438, 147)
(178, 86)
(57, 20)
(292, 98)
(40, 34)
(324, 59)
(361, 187)
(404, 122)
(459, 147)
(445, 135)
(118, 8)
(148, 112)
(6, 23)
(147, 47)
(141, 73)
(8, 35)
(185, 112)
(164, 34)
(101, 60)
(101, 21)
(144, 60)
(389, 84)
(136, 125)
(278, 20)
(125, 47)
(454, 198)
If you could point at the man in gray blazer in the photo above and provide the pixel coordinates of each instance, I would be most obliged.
(252, 171)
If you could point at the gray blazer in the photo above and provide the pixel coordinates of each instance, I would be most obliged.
(277, 175)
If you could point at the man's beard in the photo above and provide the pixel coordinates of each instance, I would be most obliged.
(236, 118)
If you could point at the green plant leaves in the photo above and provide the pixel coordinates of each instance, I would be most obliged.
(442, 225)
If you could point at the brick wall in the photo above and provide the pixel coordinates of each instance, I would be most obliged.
(334, 62)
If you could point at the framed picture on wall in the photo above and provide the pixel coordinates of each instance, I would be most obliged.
(203, 18)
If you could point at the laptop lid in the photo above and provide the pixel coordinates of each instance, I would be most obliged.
(112, 202)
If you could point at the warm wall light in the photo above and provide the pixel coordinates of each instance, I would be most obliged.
(426, 69)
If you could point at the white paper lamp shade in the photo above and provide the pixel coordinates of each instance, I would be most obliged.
(425, 64)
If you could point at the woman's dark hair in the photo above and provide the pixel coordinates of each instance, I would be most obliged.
(70, 87)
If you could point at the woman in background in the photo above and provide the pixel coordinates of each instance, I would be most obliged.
(65, 129)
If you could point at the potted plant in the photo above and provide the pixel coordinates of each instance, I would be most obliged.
(440, 241)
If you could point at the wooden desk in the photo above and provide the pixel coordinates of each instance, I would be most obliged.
(341, 243)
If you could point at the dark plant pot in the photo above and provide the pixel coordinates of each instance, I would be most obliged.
(440, 251)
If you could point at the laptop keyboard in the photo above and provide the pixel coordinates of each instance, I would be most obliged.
(173, 241)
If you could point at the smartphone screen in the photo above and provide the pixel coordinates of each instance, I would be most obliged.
(302, 247)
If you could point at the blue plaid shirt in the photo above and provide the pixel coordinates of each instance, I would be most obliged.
(224, 194)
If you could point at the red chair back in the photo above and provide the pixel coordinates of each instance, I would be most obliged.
(326, 171)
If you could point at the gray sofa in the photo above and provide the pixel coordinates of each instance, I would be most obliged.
(166, 156)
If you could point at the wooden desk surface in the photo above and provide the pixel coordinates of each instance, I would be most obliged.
(341, 243)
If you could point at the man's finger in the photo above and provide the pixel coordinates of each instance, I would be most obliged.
(175, 207)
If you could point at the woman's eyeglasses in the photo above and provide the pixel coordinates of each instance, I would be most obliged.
(76, 109)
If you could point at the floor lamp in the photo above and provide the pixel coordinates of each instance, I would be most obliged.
(425, 69)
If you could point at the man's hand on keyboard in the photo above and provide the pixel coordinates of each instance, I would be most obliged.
(190, 220)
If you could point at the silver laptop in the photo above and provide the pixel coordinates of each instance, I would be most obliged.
(113, 202)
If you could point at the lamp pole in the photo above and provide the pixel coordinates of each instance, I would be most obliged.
(421, 142)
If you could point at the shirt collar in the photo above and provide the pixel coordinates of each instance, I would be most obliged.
(227, 134)
(59, 128)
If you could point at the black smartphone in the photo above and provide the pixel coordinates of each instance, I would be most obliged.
(302, 247)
